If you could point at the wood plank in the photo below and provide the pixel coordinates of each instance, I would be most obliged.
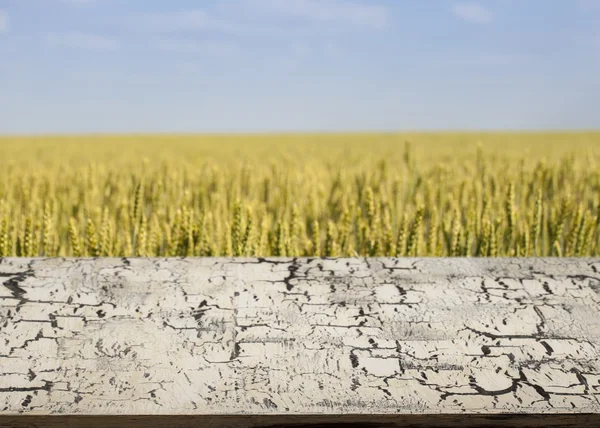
(395, 339)
(553, 420)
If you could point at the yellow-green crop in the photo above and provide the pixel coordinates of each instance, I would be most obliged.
(451, 194)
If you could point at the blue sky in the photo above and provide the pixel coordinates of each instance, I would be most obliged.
(73, 66)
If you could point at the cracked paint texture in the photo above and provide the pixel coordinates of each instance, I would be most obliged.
(299, 336)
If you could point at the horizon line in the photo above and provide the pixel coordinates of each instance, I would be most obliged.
(293, 133)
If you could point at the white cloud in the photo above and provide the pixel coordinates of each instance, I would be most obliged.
(472, 12)
(79, 40)
(269, 17)
(3, 21)
(347, 12)
(191, 20)
(204, 47)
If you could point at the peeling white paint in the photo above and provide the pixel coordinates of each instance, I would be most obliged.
(283, 336)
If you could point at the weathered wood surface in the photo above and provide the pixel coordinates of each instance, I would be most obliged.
(294, 337)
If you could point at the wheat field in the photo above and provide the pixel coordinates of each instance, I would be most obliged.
(452, 194)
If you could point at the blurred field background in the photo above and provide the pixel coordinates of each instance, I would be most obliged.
(452, 194)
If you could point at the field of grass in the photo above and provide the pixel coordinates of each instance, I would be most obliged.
(301, 195)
